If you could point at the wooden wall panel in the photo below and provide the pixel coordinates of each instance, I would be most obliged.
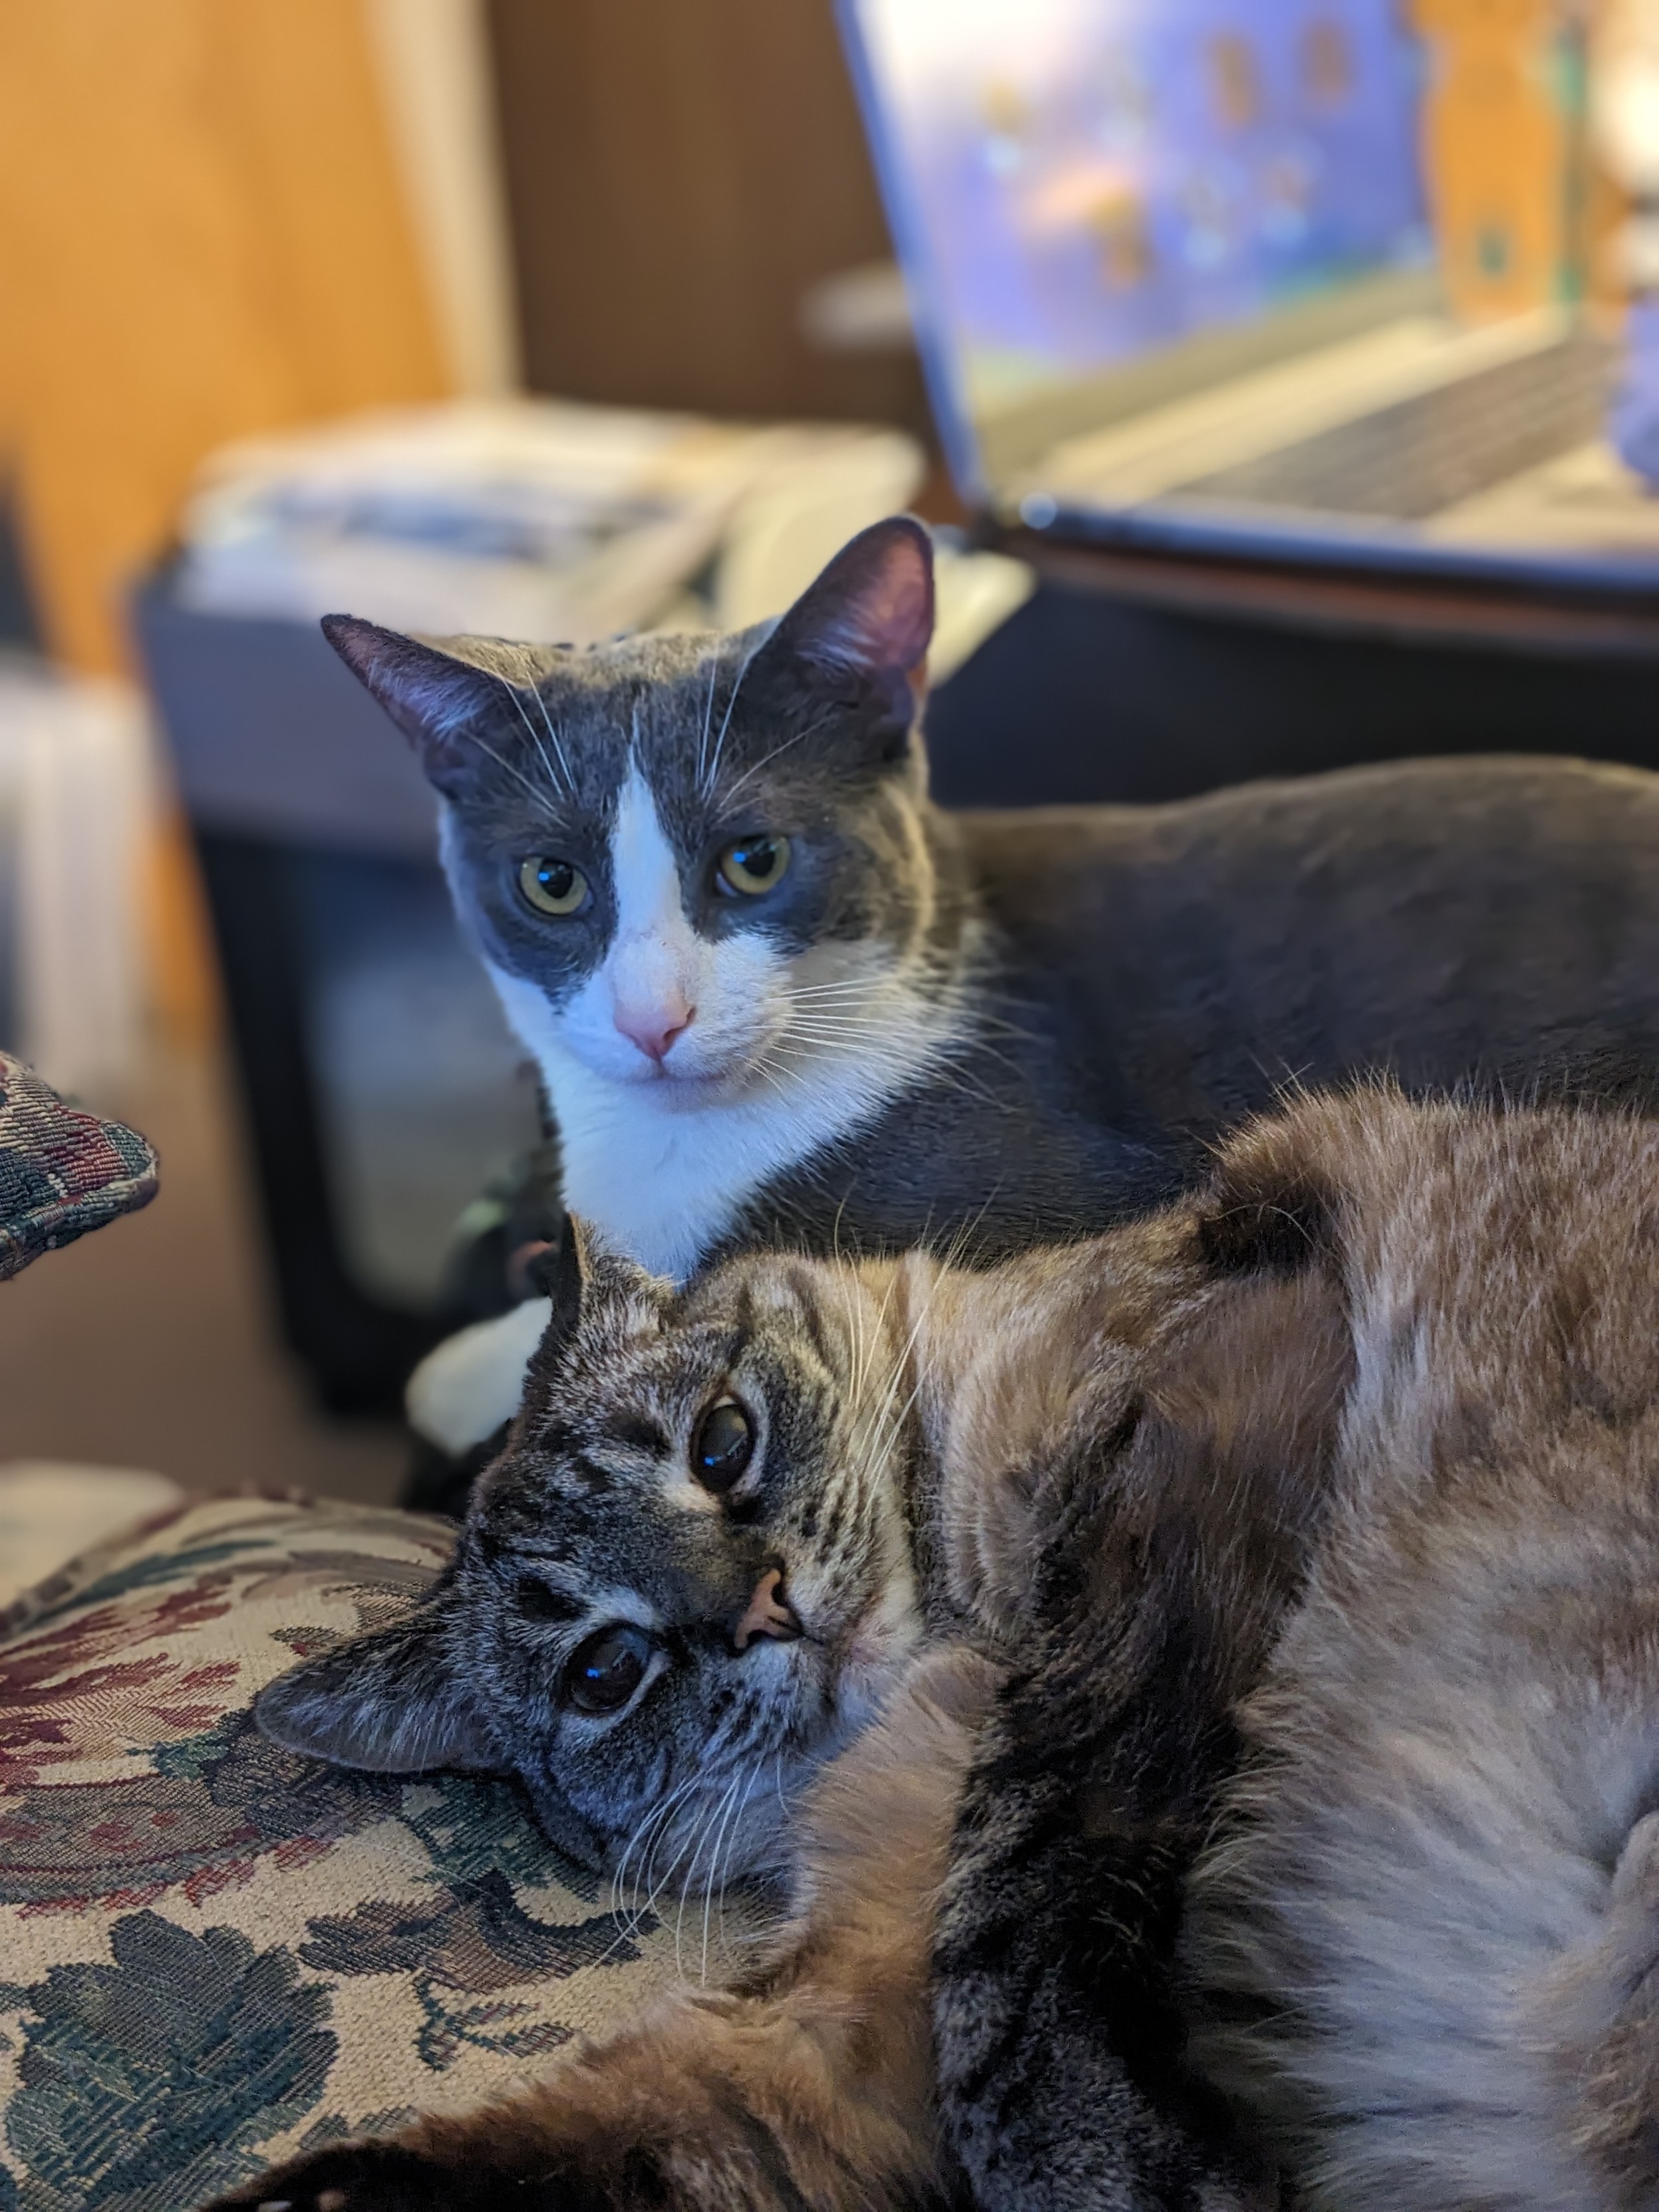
(202, 234)
(678, 172)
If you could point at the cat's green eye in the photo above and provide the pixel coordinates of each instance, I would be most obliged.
(604, 1672)
(752, 866)
(723, 1446)
(552, 886)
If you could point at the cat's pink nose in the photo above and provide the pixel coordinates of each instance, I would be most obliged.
(654, 1029)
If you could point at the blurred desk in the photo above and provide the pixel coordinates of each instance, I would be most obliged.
(1138, 676)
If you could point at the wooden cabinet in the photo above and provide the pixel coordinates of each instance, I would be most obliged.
(679, 171)
(203, 233)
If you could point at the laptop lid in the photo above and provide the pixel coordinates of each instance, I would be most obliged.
(1103, 206)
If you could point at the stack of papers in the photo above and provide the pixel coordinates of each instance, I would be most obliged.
(540, 520)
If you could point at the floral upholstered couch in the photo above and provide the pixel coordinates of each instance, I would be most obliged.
(213, 1954)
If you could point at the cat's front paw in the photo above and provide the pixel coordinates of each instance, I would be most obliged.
(372, 2177)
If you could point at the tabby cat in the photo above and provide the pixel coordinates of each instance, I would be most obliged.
(776, 996)
(1307, 1534)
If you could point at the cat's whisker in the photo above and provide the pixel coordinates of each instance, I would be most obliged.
(701, 1832)
(799, 993)
(708, 715)
(706, 1834)
(725, 721)
(510, 690)
(766, 760)
(725, 1844)
(647, 1835)
(558, 743)
(941, 1069)
(659, 1882)
(652, 1883)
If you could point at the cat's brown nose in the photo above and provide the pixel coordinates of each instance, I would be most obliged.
(654, 1029)
(767, 1613)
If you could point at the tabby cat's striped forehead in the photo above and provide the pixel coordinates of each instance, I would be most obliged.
(620, 1392)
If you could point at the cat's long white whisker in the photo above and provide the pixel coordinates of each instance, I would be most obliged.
(766, 760)
(701, 1834)
(558, 743)
(511, 692)
(706, 1834)
(728, 1827)
(655, 1816)
(654, 1827)
(902, 1363)
(649, 1886)
(708, 715)
(851, 984)
(726, 720)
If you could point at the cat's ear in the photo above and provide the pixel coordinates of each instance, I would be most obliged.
(388, 1701)
(562, 1275)
(440, 700)
(869, 613)
(594, 1292)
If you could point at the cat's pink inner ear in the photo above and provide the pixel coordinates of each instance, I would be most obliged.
(872, 608)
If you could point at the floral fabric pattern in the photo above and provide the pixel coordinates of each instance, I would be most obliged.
(61, 1172)
(213, 1954)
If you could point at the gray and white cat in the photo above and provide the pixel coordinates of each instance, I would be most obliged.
(777, 997)
(1311, 1529)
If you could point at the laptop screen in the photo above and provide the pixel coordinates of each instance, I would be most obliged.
(1079, 187)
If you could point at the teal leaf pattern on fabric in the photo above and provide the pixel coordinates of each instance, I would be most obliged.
(335, 2127)
(177, 2058)
(198, 1755)
(473, 1936)
(449, 2027)
(474, 1827)
(153, 1573)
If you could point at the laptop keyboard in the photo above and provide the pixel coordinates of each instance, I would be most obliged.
(1413, 459)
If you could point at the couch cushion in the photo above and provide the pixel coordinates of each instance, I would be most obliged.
(213, 1954)
(61, 1172)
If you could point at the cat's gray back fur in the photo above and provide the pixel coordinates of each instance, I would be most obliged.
(1477, 924)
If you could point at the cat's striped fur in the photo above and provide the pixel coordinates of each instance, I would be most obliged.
(1311, 1533)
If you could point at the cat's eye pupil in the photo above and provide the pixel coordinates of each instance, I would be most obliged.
(552, 886)
(753, 865)
(723, 1446)
(604, 1672)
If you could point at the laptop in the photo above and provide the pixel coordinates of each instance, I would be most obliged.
(1174, 285)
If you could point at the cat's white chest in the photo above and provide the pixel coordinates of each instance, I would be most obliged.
(661, 1183)
(662, 1180)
